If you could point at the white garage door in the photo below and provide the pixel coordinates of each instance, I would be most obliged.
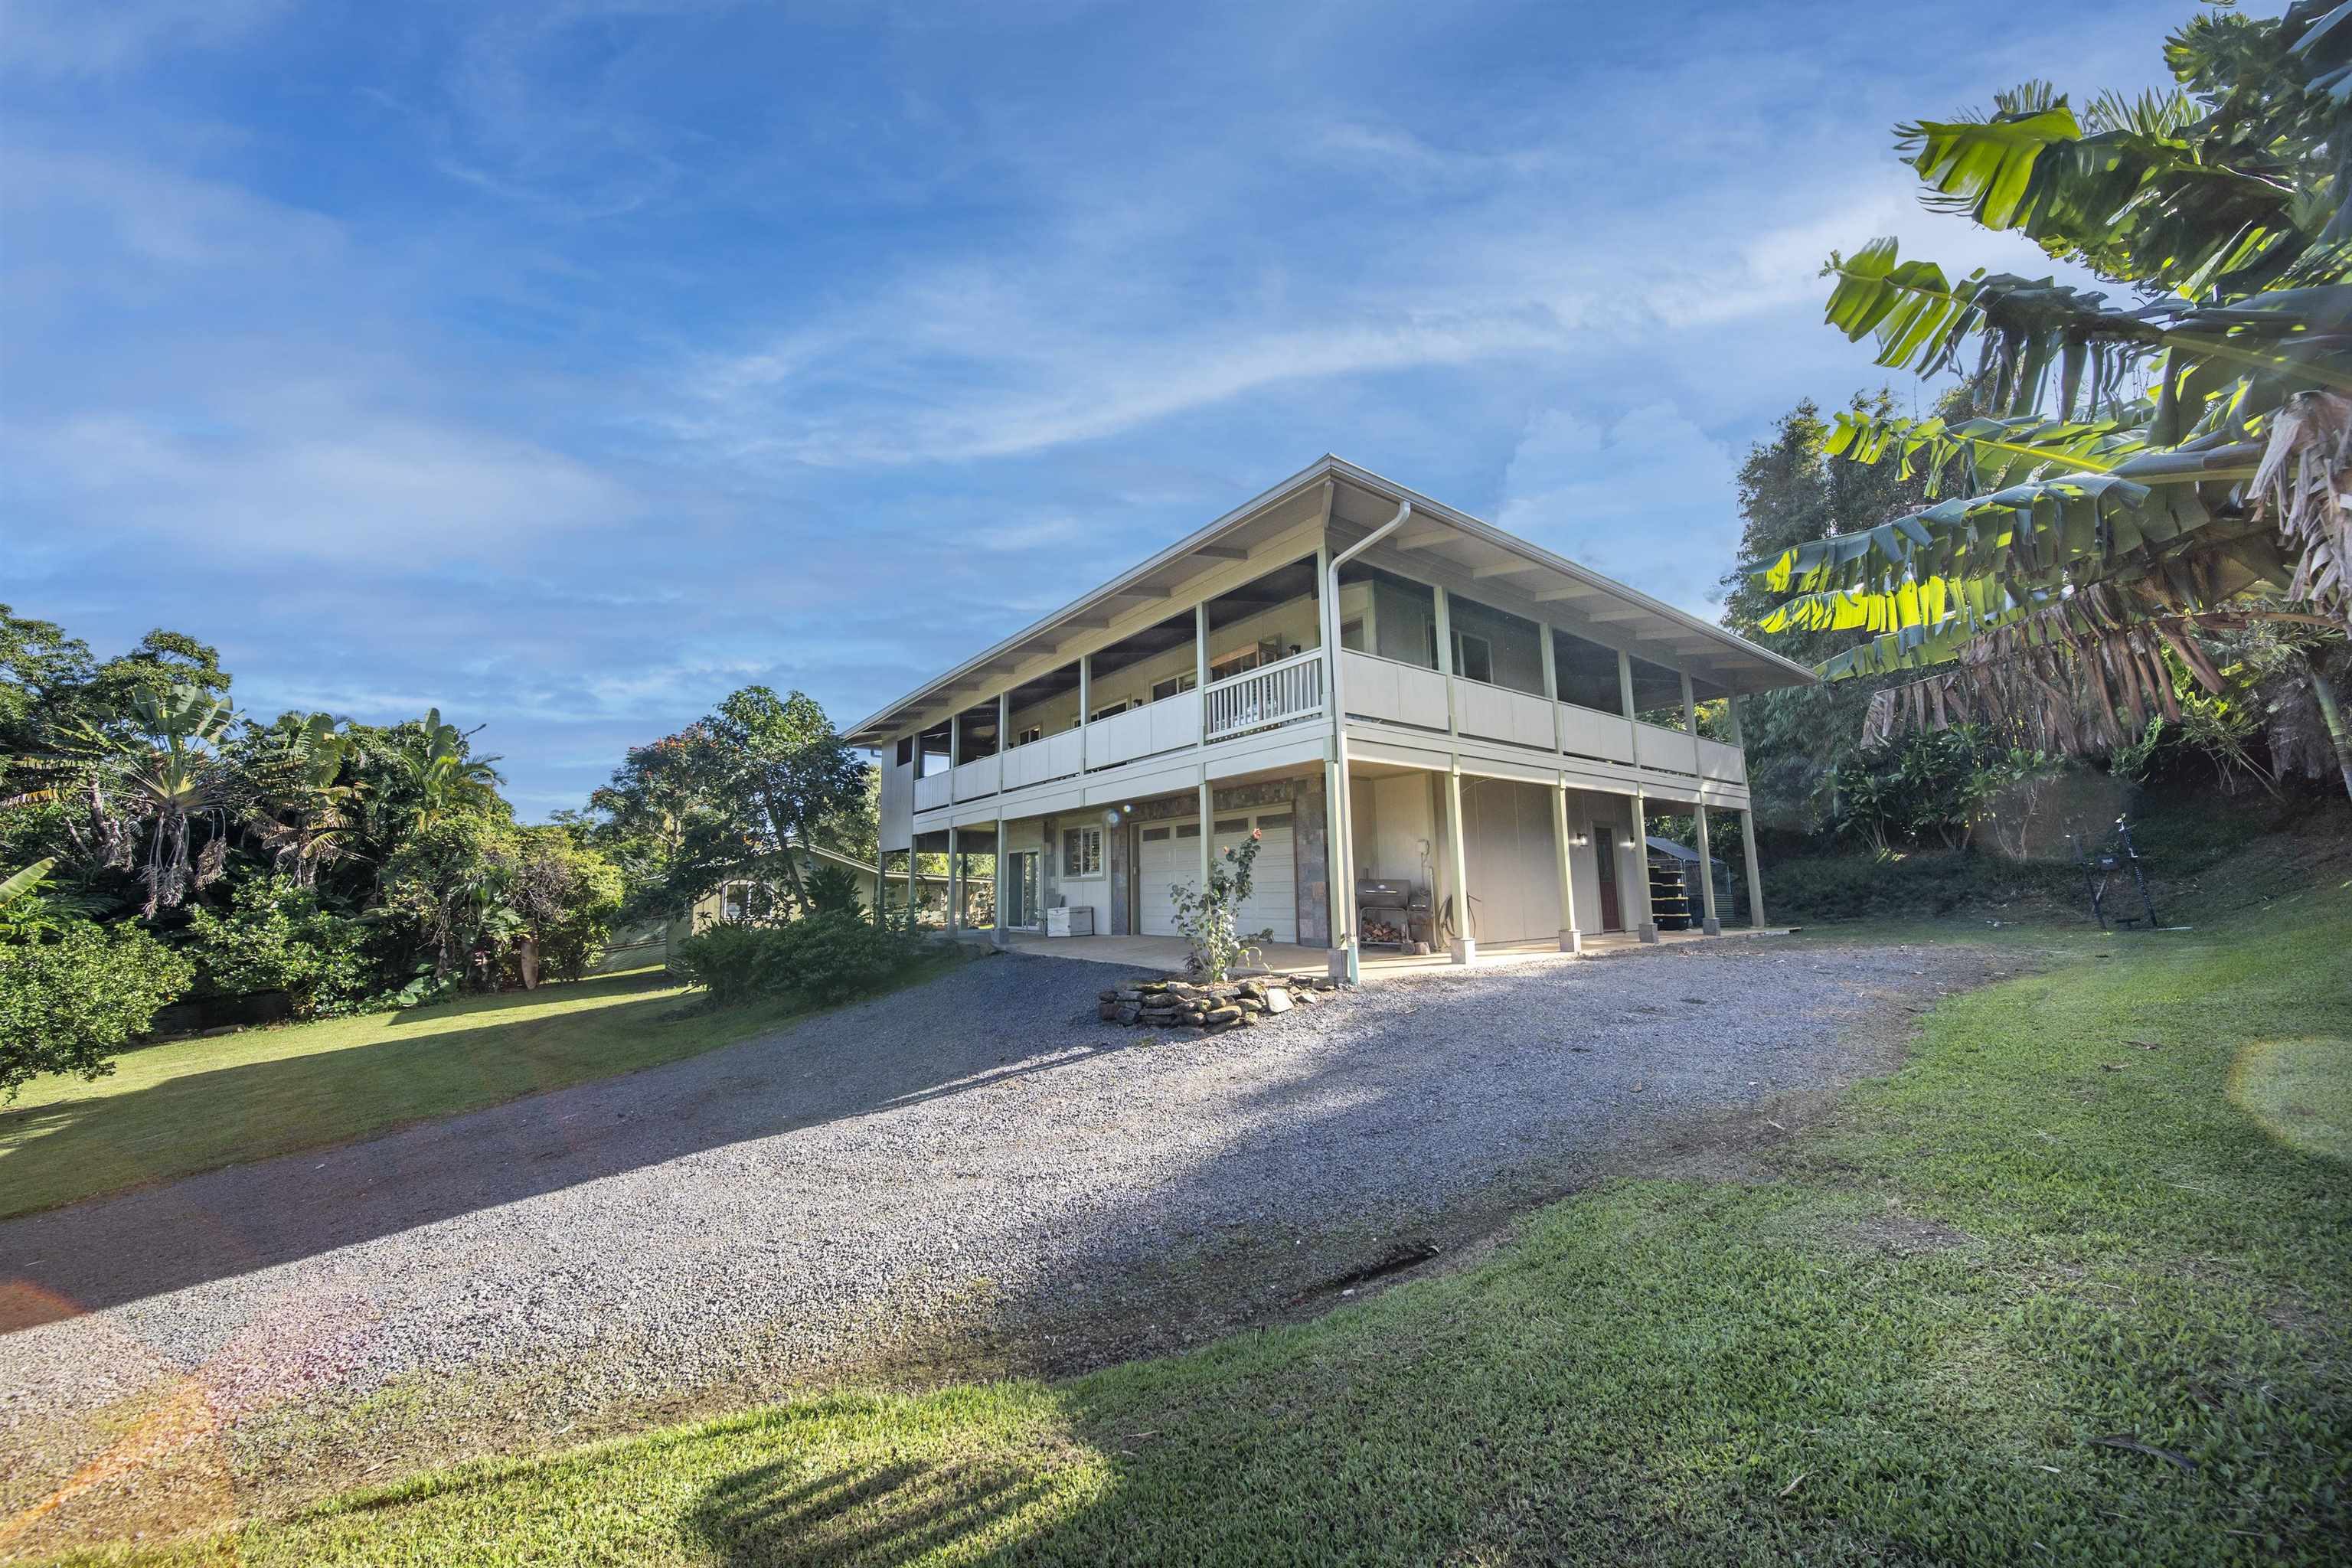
(1272, 903)
(1171, 853)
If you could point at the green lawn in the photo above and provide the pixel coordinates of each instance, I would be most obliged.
(2104, 1206)
(169, 1110)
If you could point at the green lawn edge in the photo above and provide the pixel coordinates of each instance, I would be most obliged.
(2057, 1290)
(180, 1110)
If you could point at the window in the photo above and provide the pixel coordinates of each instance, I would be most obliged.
(1082, 852)
(1232, 825)
(1110, 709)
(1473, 657)
(905, 750)
(1034, 732)
(1268, 824)
(1163, 689)
(1351, 634)
(1189, 830)
(1155, 835)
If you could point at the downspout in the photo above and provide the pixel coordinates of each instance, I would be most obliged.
(1343, 807)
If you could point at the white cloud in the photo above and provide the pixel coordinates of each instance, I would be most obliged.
(104, 37)
(322, 477)
(1646, 496)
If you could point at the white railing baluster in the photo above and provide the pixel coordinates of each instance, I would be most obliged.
(1259, 699)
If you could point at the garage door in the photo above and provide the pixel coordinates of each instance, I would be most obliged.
(1171, 853)
(1272, 903)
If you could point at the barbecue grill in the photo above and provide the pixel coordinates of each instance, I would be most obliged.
(1390, 913)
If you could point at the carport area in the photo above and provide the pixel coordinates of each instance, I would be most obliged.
(1167, 953)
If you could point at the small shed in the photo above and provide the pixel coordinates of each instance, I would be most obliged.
(1677, 865)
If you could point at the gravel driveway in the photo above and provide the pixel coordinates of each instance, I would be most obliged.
(980, 1145)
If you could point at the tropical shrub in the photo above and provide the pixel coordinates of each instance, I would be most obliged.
(724, 959)
(1207, 917)
(824, 960)
(68, 1003)
(834, 890)
(275, 936)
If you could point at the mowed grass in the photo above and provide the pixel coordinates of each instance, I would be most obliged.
(195, 1105)
(2068, 1289)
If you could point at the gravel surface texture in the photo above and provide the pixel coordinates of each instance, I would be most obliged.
(981, 1136)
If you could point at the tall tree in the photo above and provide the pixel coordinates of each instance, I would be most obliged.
(758, 781)
(2154, 470)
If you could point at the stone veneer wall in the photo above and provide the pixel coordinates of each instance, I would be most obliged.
(1116, 861)
(1310, 833)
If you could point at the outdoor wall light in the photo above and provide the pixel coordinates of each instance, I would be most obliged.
(1580, 839)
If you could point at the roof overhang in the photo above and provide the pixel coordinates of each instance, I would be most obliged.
(1517, 574)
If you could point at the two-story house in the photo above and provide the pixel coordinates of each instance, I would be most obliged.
(1441, 733)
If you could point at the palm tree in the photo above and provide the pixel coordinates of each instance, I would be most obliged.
(167, 783)
(2162, 470)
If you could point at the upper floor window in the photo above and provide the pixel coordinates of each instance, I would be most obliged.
(1082, 852)
(905, 749)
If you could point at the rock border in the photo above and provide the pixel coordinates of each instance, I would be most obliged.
(1182, 1005)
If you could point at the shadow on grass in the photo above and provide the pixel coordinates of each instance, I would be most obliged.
(897, 1511)
(599, 1118)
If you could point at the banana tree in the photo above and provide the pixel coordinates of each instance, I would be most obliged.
(303, 815)
(2159, 470)
(446, 779)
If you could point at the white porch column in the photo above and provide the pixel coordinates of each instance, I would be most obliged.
(1709, 923)
(1201, 669)
(1086, 705)
(1648, 929)
(955, 883)
(998, 937)
(1463, 948)
(1208, 825)
(1551, 680)
(1754, 872)
(1445, 656)
(1571, 940)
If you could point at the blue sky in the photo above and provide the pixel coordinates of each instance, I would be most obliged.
(568, 365)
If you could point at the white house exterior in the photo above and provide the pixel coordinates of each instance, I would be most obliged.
(1383, 687)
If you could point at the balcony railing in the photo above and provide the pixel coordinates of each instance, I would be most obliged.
(934, 790)
(1259, 699)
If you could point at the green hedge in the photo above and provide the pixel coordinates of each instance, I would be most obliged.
(67, 1005)
(834, 956)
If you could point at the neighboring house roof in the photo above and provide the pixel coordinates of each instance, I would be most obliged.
(1683, 852)
(1359, 501)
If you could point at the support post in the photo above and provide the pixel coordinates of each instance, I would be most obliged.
(1755, 873)
(1711, 924)
(955, 884)
(999, 936)
(1648, 930)
(1445, 656)
(1208, 826)
(1464, 947)
(1571, 940)
(1551, 681)
(1201, 668)
(1708, 922)
(1086, 705)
